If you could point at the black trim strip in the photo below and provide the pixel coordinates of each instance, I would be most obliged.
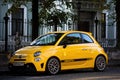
(19, 59)
(75, 60)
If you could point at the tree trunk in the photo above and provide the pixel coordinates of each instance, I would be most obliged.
(117, 8)
(56, 21)
(55, 27)
(35, 22)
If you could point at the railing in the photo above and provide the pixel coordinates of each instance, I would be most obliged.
(22, 38)
(90, 5)
(11, 46)
(108, 43)
(2, 30)
(87, 5)
(25, 40)
(105, 43)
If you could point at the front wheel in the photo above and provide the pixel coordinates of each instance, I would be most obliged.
(53, 66)
(100, 63)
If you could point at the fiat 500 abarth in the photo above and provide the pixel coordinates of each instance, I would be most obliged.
(58, 51)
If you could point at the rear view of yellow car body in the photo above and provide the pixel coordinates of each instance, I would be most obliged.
(58, 51)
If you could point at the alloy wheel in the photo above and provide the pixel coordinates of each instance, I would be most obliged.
(53, 66)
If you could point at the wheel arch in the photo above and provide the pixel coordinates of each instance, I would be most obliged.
(53, 57)
(103, 56)
(100, 55)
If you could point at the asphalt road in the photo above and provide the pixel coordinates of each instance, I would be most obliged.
(111, 73)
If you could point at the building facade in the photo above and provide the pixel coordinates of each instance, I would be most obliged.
(89, 18)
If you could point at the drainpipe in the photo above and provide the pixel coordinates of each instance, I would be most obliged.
(96, 23)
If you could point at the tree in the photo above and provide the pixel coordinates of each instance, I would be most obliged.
(50, 14)
(35, 22)
(45, 11)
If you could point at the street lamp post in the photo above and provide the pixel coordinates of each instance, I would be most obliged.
(96, 23)
(6, 18)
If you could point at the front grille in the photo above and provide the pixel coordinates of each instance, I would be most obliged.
(19, 59)
(20, 56)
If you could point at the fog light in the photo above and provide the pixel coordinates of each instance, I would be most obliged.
(37, 59)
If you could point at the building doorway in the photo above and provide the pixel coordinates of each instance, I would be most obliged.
(84, 26)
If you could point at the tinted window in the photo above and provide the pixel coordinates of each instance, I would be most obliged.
(48, 39)
(73, 38)
(86, 38)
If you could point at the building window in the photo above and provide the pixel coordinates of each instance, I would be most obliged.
(103, 28)
(18, 21)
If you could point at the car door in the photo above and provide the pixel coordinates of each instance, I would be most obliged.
(88, 49)
(72, 51)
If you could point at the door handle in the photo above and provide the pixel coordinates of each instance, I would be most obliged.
(84, 49)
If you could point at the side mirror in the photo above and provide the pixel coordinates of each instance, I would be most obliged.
(65, 45)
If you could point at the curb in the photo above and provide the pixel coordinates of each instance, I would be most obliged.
(114, 62)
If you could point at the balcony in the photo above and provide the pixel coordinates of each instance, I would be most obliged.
(86, 5)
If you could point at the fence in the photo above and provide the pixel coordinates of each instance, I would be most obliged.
(2, 30)
(25, 40)
(106, 43)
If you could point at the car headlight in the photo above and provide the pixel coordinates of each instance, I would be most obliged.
(37, 53)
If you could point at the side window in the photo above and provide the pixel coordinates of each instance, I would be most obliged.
(86, 38)
(73, 38)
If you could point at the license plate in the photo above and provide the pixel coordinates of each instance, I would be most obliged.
(18, 64)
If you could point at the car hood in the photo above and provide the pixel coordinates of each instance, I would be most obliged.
(33, 49)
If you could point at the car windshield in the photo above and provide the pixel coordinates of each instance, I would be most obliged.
(48, 39)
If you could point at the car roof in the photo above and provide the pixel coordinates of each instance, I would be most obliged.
(72, 32)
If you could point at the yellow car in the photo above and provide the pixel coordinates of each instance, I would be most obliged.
(58, 51)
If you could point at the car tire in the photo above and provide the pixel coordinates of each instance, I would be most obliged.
(100, 63)
(11, 68)
(53, 66)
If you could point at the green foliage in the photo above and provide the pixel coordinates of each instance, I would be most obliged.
(49, 14)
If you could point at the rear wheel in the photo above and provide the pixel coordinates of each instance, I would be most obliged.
(53, 66)
(100, 63)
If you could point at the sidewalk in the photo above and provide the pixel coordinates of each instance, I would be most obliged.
(114, 58)
(4, 59)
(4, 62)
